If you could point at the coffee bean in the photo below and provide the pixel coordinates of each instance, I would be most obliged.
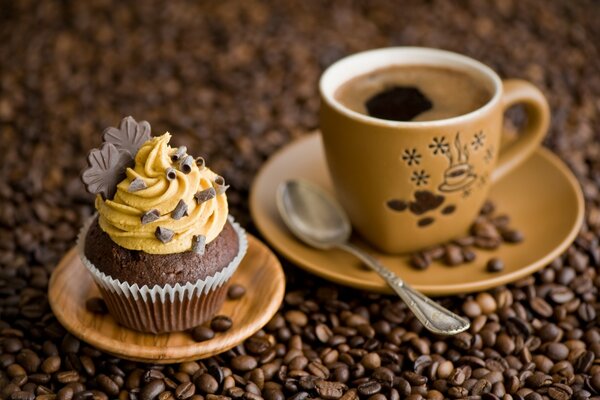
(495, 265)
(244, 363)
(185, 390)
(152, 390)
(557, 351)
(454, 255)
(471, 308)
(221, 323)
(420, 260)
(296, 317)
(586, 312)
(512, 236)
(257, 345)
(329, 390)
(22, 395)
(152, 375)
(202, 333)
(541, 307)
(371, 361)
(67, 376)
(350, 395)
(273, 394)
(486, 302)
(369, 388)
(107, 385)
(319, 370)
(96, 305)
(236, 291)
(207, 384)
(595, 382)
(28, 360)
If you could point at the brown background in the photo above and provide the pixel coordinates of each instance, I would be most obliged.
(234, 81)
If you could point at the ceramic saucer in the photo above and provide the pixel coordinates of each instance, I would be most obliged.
(542, 198)
(71, 285)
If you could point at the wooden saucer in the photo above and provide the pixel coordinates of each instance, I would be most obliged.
(542, 198)
(260, 273)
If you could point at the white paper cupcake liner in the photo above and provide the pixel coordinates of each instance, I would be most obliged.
(163, 308)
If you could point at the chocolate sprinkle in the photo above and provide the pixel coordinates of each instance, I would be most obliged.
(179, 153)
(199, 244)
(136, 185)
(205, 195)
(220, 185)
(200, 162)
(185, 165)
(165, 235)
(150, 216)
(171, 173)
(180, 211)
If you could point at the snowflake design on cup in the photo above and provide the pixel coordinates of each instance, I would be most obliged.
(478, 140)
(420, 177)
(439, 145)
(411, 157)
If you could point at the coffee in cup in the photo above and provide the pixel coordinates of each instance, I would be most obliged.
(414, 93)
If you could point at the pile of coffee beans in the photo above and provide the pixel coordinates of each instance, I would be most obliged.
(235, 80)
(488, 232)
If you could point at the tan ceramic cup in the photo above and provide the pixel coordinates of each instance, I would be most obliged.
(410, 185)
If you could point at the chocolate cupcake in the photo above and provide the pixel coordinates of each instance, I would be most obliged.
(162, 246)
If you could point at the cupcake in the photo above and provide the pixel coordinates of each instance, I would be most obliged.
(161, 247)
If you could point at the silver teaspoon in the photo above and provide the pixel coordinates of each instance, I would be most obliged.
(319, 221)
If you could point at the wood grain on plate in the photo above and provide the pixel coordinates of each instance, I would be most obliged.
(260, 272)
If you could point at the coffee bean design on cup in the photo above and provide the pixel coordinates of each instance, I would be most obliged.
(459, 175)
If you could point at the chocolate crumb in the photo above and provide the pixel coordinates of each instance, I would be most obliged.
(185, 165)
(136, 185)
(165, 235)
(205, 195)
(199, 244)
(179, 153)
(180, 211)
(171, 173)
(220, 185)
(150, 216)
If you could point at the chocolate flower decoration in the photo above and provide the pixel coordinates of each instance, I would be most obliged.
(130, 135)
(106, 169)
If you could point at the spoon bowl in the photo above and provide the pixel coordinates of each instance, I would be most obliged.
(319, 221)
(311, 215)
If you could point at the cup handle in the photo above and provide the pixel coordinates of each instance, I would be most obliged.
(538, 118)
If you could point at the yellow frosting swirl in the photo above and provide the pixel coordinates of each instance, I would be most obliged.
(120, 217)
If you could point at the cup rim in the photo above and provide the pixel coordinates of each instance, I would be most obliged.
(425, 56)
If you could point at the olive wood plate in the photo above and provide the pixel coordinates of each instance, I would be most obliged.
(259, 272)
(542, 198)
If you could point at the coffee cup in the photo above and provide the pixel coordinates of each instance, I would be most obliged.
(411, 184)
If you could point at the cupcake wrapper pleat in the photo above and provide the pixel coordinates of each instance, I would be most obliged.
(167, 308)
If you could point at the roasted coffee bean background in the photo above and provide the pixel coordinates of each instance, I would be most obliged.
(235, 81)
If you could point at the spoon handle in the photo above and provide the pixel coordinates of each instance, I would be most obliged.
(433, 316)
